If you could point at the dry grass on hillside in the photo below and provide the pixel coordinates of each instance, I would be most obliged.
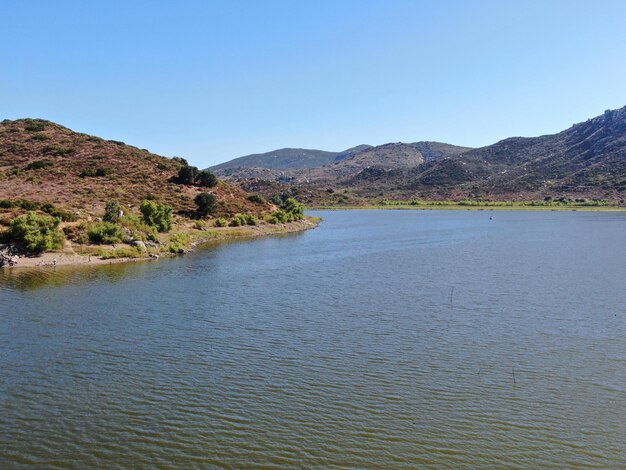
(46, 162)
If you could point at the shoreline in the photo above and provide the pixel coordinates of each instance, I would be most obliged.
(69, 257)
(458, 207)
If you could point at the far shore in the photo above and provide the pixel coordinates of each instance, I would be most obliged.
(461, 207)
(69, 257)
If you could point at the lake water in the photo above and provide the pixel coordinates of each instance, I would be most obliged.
(381, 339)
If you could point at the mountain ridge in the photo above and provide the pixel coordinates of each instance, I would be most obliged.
(288, 158)
(588, 158)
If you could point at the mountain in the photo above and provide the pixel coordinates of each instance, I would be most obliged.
(387, 157)
(286, 159)
(45, 162)
(344, 164)
(586, 160)
(589, 157)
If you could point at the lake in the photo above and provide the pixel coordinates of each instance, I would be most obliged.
(381, 339)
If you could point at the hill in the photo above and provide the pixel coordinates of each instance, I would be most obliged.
(286, 159)
(392, 156)
(66, 197)
(588, 158)
(45, 162)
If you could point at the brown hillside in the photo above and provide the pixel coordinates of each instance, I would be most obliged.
(46, 162)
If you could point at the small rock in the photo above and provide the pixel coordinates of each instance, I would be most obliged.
(139, 244)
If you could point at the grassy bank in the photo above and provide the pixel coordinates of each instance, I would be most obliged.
(595, 205)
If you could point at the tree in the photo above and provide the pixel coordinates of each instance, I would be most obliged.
(111, 211)
(36, 233)
(206, 178)
(187, 174)
(157, 215)
(293, 207)
(207, 204)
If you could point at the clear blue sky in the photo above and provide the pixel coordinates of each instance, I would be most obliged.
(211, 81)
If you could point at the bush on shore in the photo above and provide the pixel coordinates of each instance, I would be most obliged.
(157, 215)
(290, 211)
(244, 219)
(36, 233)
(105, 233)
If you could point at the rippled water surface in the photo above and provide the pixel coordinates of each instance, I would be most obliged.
(382, 339)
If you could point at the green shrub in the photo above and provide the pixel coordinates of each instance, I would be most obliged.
(77, 233)
(157, 215)
(206, 204)
(34, 125)
(38, 164)
(35, 206)
(221, 222)
(278, 217)
(244, 219)
(111, 211)
(187, 175)
(294, 208)
(58, 213)
(237, 221)
(291, 210)
(199, 225)
(190, 175)
(7, 204)
(57, 150)
(180, 160)
(252, 219)
(206, 179)
(125, 252)
(100, 172)
(36, 233)
(179, 242)
(105, 233)
(139, 230)
(257, 199)
(96, 172)
(29, 205)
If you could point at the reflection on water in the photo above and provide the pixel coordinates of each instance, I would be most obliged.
(380, 339)
(57, 276)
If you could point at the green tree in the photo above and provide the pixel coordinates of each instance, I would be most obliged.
(157, 215)
(206, 204)
(111, 211)
(36, 233)
(293, 207)
(187, 174)
(206, 178)
(257, 199)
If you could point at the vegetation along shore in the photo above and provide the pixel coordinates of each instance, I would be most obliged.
(70, 198)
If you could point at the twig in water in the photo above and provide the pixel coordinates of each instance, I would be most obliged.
(513, 370)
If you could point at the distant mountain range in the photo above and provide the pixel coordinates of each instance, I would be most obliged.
(301, 165)
(589, 158)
